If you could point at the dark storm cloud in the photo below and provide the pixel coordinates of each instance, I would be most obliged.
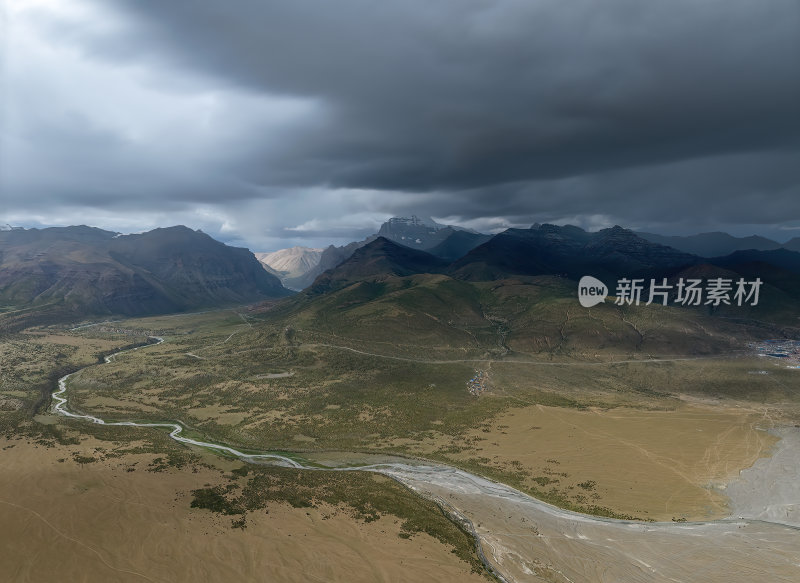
(653, 114)
(464, 94)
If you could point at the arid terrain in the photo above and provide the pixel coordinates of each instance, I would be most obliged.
(529, 541)
(658, 465)
(624, 447)
(110, 519)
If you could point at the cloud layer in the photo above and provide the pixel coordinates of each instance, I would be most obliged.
(313, 120)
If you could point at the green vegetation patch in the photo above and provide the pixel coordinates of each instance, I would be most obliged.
(363, 495)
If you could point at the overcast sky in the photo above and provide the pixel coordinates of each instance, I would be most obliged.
(269, 124)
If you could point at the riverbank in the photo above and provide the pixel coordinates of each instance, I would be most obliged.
(769, 490)
(526, 539)
(85, 512)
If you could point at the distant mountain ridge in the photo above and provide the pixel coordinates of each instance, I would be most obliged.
(781, 258)
(84, 270)
(415, 232)
(458, 244)
(290, 265)
(421, 233)
(376, 259)
(542, 250)
(792, 244)
(330, 257)
(444, 241)
(91, 271)
(568, 251)
(715, 244)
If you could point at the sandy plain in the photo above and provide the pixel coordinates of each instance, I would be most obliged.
(651, 464)
(655, 464)
(97, 522)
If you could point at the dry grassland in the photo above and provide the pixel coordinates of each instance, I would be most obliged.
(97, 522)
(658, 465)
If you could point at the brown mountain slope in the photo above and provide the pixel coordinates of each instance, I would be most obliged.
(90, 271)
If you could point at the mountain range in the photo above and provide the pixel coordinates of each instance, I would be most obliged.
(717, 244)
(564, 250)
(444, 241)
(84, 270)
(541, 250)
(568, 253)
(515, 295)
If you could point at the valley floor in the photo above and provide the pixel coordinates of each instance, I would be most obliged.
(527, 541)
(672, 441)
(101, 522)
(655, 465)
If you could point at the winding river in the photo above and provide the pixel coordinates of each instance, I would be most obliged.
(521, 538)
